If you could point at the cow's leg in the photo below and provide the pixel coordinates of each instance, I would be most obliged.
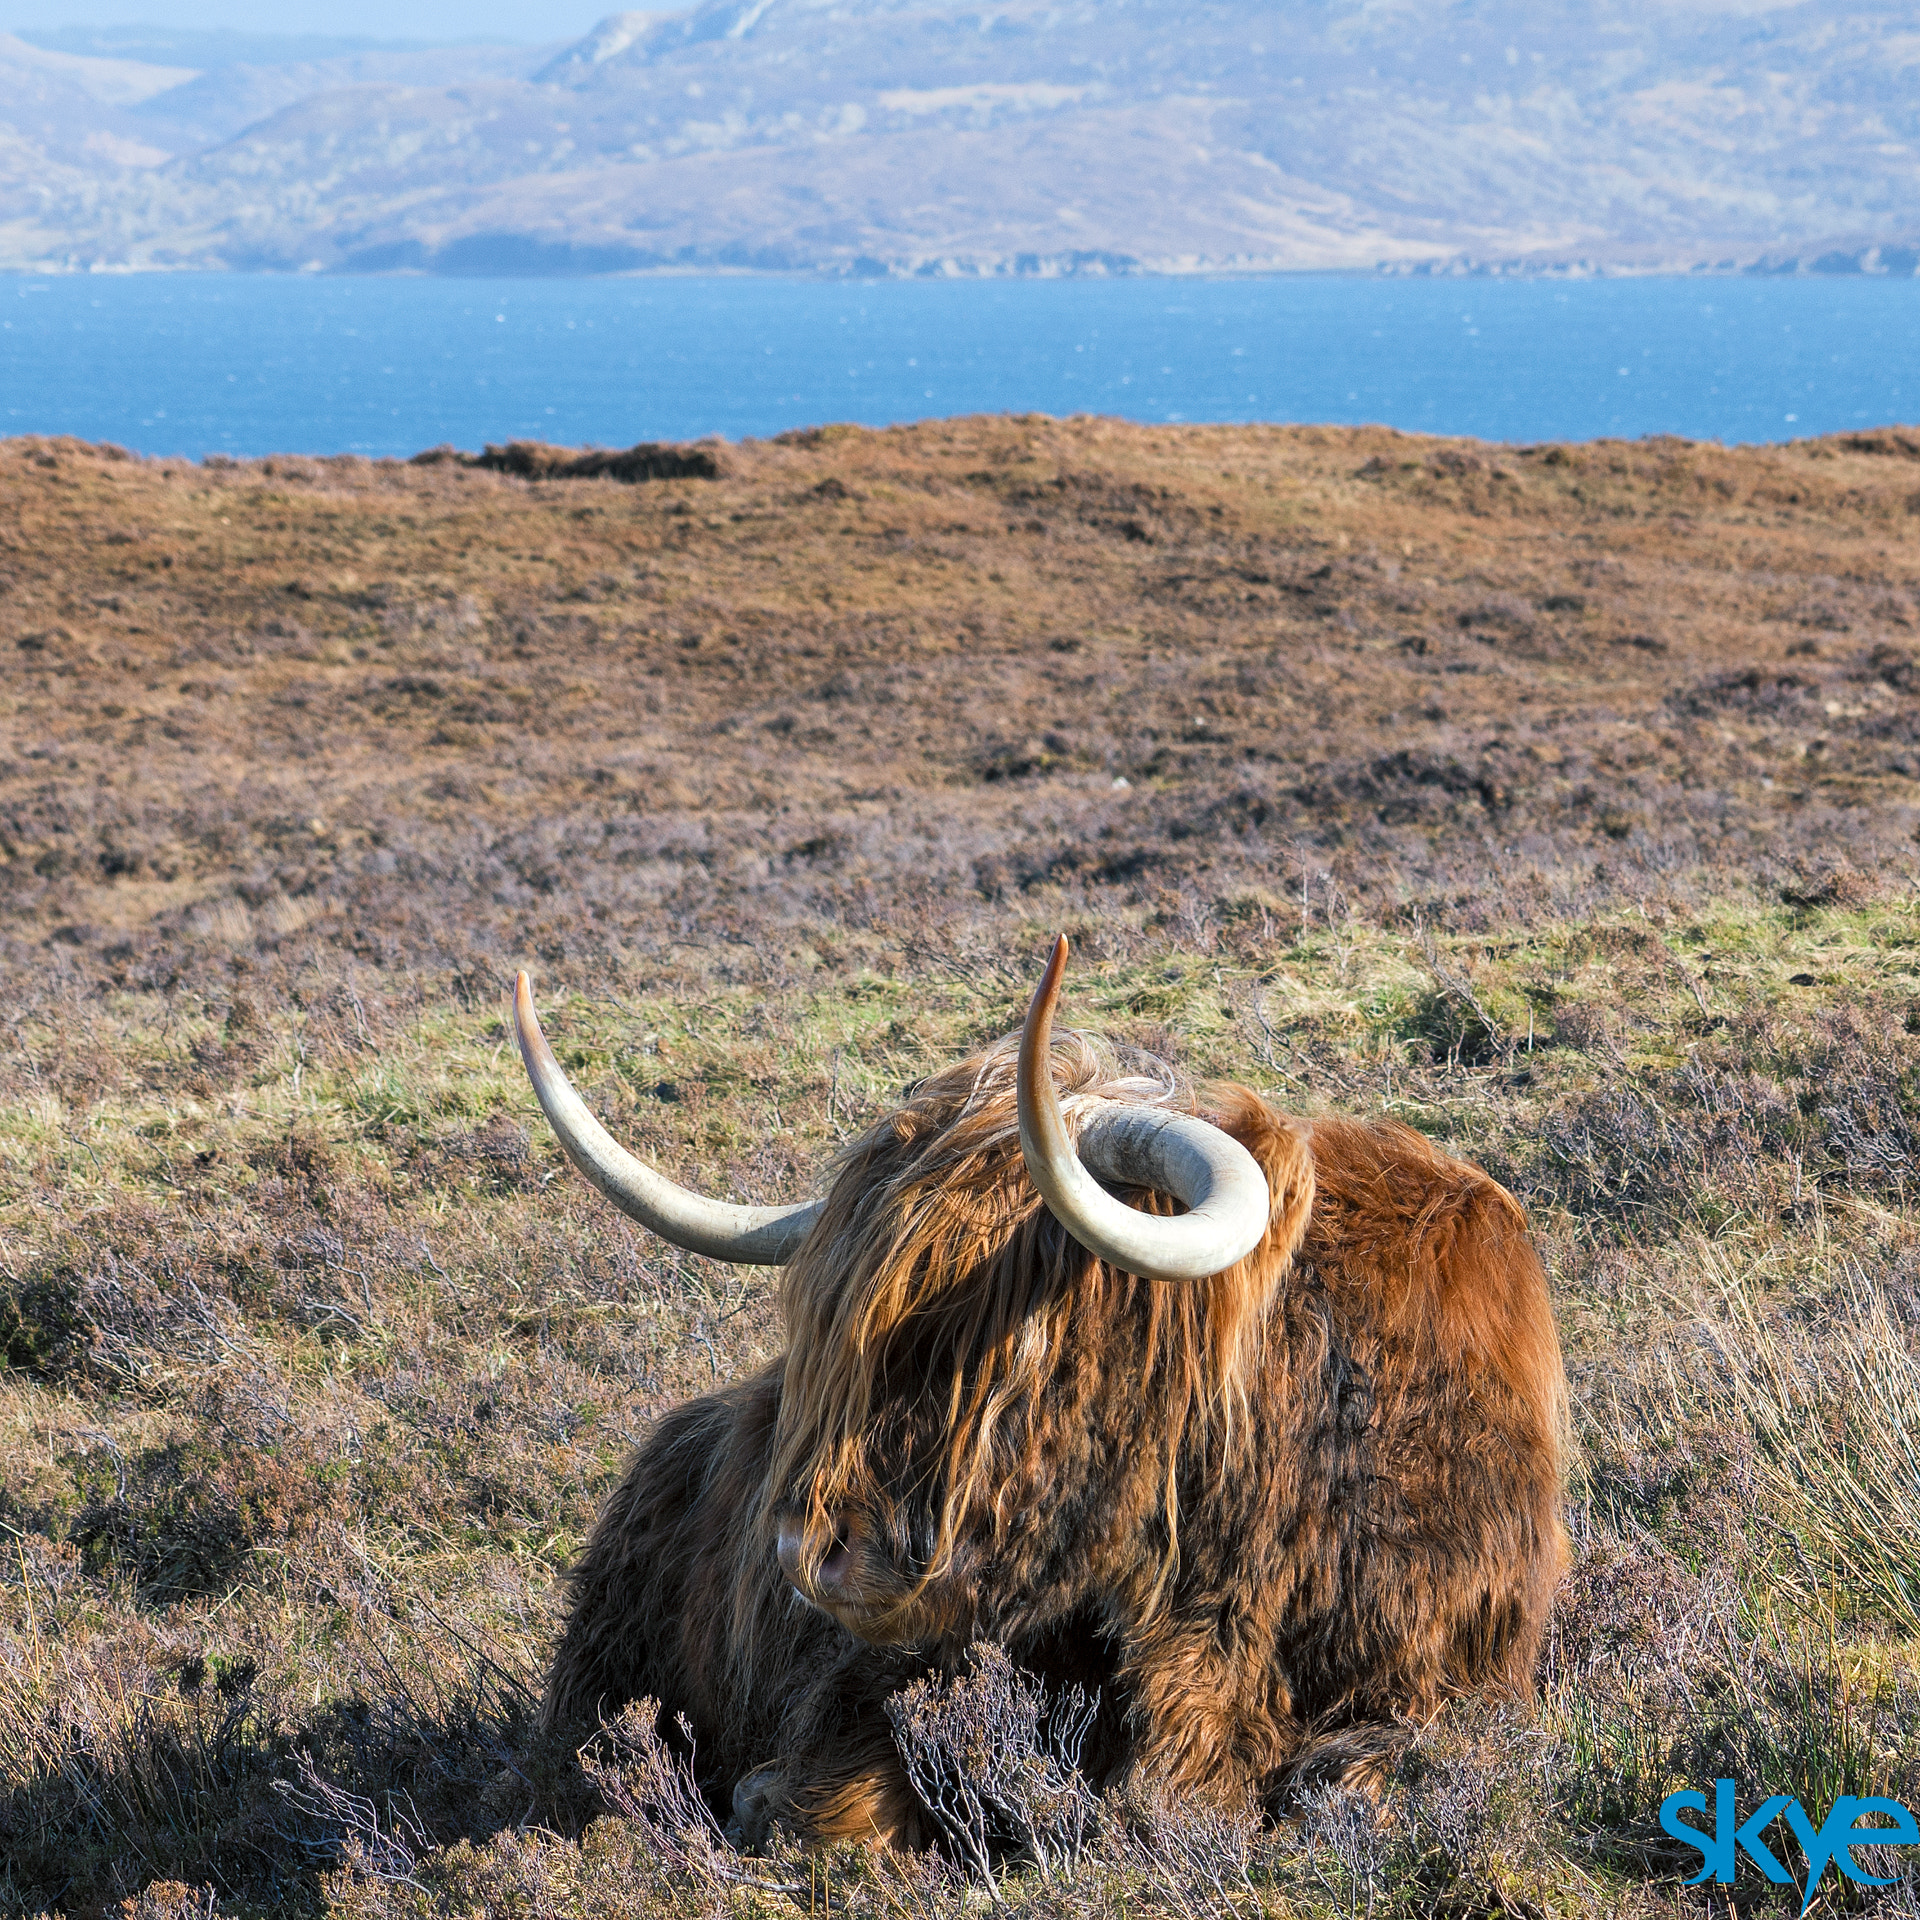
(1203, 1721)
(853, 1797)
(838, 1775)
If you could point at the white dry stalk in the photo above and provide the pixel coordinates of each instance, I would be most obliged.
(997, 1768)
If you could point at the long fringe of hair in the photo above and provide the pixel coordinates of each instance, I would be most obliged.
(936, 1260)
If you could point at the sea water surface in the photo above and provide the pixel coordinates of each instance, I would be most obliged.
(243, 364)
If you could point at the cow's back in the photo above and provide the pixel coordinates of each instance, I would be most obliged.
(1412, 1412)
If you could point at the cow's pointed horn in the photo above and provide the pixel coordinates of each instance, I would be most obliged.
(1129, 1145)
(748, 1236)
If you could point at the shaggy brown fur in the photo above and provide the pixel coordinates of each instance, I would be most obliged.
(1279, 1515)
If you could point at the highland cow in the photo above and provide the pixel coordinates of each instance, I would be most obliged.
(1252, 1422)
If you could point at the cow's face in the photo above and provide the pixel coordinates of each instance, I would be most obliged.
(972, 1402)
(927, 1317)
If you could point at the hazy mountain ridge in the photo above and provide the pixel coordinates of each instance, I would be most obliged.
(876, 137)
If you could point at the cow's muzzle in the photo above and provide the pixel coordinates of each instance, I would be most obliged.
(826, 1576)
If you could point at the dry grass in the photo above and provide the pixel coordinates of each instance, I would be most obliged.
(1559, 801)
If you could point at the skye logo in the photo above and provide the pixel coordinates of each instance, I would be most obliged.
(1720, 1853)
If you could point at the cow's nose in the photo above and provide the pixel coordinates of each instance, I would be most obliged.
(788, 1550)
(828, 1577)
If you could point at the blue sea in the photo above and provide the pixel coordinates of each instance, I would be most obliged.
(226, 363)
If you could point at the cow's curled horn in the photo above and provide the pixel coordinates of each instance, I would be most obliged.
(748, 1236)
(1210, 1172)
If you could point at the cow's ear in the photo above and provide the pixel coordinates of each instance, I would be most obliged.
(1280, 1146)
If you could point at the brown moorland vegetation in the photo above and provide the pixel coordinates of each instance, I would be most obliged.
(1560, 801)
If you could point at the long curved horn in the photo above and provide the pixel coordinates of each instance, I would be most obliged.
(748, 1236)
(1217, 1179)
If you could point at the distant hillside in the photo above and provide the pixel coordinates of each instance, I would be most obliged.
(895, 136)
